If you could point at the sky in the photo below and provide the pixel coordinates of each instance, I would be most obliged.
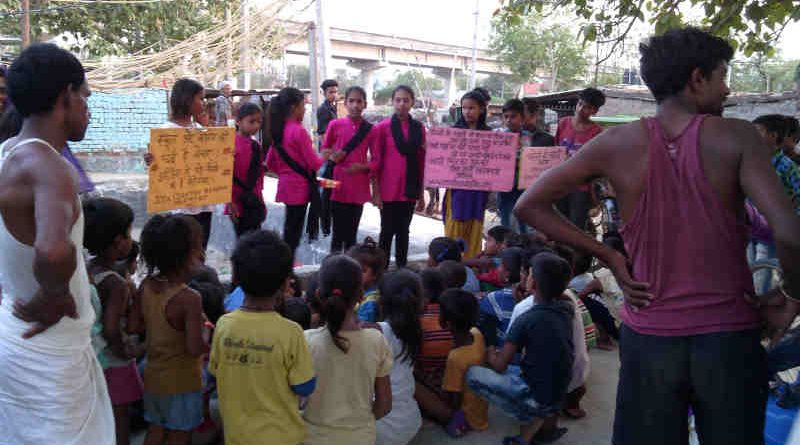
(444, 21)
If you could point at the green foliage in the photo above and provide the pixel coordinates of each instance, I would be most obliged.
(751, 25)
(116, 29)
(500, 87)
(422, 85)
(763, 76)
(526, 46)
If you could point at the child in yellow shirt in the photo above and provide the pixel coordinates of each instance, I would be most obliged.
(261, 360)
(459, 315)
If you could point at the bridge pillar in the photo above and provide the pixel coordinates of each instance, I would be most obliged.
(450, 84)
(367, 76)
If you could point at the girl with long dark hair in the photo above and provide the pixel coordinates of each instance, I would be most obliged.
(293, 158)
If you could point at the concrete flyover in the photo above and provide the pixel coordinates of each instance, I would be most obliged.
(368, 51)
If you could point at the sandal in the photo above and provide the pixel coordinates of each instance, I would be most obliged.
(458, 425)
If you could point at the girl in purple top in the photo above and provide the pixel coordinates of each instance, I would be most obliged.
(463, 209)
(349, 139)
(294, 160)
(397, 167)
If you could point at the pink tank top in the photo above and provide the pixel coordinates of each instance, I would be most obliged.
(687, 245)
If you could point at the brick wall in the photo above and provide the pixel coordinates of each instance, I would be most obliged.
(120, 129)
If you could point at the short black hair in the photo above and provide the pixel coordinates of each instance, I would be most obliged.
(514, 105)
(551, 273)
(183, 92)
(774, 124)
(583, 263)
(327, 83)
(443, 248)
(792, 127)
(247, 109)
(593, 97)
(206, 282)
(355, 89)
(104, 220)
(532, 105)
(261, 262)
(297, 310)
(454, 273)
(667, 61)
(459, 308)
(39, 75)
(500, 234)
(167, 242)
(433, 284)
(513, 259)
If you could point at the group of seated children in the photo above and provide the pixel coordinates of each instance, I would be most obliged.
(358, 358)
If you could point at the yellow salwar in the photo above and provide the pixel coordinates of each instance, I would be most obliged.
(471, 230)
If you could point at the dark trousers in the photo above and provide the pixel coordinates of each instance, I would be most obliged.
(346, 218)
(395, 221)
(241, 228)
(575, 207)
(293, 225)
(722, 376)
(204, 219)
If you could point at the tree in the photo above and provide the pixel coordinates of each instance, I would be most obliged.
(416, 79)
(500, 87)
(528, 47)
(763, 75)
(298, 76)
(99, 28)
(751, 25)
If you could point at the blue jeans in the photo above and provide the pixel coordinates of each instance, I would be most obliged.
(508, 391)
(505, 205)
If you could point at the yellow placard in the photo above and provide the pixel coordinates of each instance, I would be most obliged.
(191, 167)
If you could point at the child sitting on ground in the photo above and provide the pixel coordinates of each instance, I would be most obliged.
(436, 345)
(401, 304)
(536, 389)
(454, 274)
(459, 315)
(497, 239)
(108, 237)
(172, 313)
(261, 359)
(496, 308)
(373, 261)
(352, 364)
(442, 249)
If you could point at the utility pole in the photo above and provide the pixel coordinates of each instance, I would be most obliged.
(26, 23)
(474, 46)
(243, 59)
(228, 43)
(313, 69)
(324, 42)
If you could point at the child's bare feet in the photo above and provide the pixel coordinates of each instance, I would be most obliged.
(574, 413)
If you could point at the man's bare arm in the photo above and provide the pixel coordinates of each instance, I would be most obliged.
(763, 187)
(54, 201)
(535, 208)
(54, 196)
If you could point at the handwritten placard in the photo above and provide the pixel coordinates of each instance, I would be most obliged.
(191, 167)
(536, 160)
(470, 159)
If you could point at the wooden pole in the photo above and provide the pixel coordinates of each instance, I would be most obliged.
(26, 23)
